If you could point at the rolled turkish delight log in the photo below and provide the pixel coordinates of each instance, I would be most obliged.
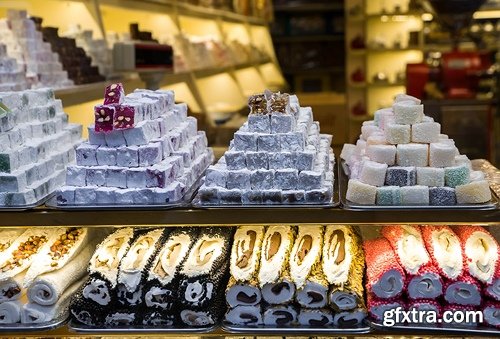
(426, 284)
(280, 315)
(315, 317)
(103, 267)
(243, 288)
(385, 277)
(467, 321)
(158, 317)
(87, 311)
(480, 251)
(350, 318)
(464, 291)
(207, 316)
(444, 249)
(343, 265)
(45, 285)
(274, 277)
(493, 290)
(10, 312)
(408, 245)
(135, 265)
(491, 313)
(160, 290)
(17, 258)
(306, 268)
(244, 315)
(35, 313)
(426, 305)
(205, 272)
(7, 237)
(121, 318)
(378, 307)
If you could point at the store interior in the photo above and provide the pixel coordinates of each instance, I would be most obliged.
(249, 168)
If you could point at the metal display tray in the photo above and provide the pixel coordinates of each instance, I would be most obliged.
(78, 327)
(20, 208)
(184, 202)
(45, 326)
(334, 202)
(344, 179)
(290, 330)
(437, 329)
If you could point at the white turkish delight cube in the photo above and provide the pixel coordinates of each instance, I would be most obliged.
(272, 196)
(216, 176)
(96, 176)
(13, 182)
(166, 147)
(136, 178)
(309, 180)
(32, 174)
(85, 195)
(175, 139)
(150, 154)
(27, 156)
(181, 110)
(185, 154)
(86, 154)
(239, 179)
(262, 179)
(256, 160)
(292, 142)
(177, 163)
(282, 123)
(76, 175)
(106, 156)
(319, 196)
(235, 160)
(105, 195)
(141, 134)
(209, 195)
(251, 197)
(115, 138)
(65, 195)
(75, 131)
(127, 156)
(159, 176)
(116, 177)
(230, 196)
(96, 138)
(245, 141)
(19, 198)
(292, 196)
(286, 179)
(144, 196)
(281, 160)
(192, 126)
(16, 139)
(259, 123)
(268, 143)
(125, 196)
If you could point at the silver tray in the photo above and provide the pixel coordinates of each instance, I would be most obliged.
(184, 202)
(46, 326)
(75, 326)
(20, 208)
(334, 202)
(437, 329)
(343, 180)
(290, 330)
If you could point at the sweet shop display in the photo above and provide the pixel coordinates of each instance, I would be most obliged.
(433, 267)
(36, 145)
(33, 55)
(73, 58)
(306, 276)
(40, 269)
(165, 277)
(277, 157)
(402, 158)
(143, 149)
(12, 76)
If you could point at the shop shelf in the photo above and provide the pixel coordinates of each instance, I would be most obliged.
(309, 7)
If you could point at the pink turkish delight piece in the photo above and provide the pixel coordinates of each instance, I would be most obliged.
(104, 118)
(114, 94)
(124, 117)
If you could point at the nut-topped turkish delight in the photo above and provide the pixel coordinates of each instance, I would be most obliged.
(151, 153)
(282, 153)
(114, 94)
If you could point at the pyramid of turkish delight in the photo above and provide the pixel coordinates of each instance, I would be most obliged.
(26, 45)
(142, 149)
(12, 78)
(277, 157)
(402, 158)
(36, 144)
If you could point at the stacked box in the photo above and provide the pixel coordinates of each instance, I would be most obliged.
(36, 145)
(35, 56)
(12, 78)
(277, 157)
(420, 165)
(142, 149)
